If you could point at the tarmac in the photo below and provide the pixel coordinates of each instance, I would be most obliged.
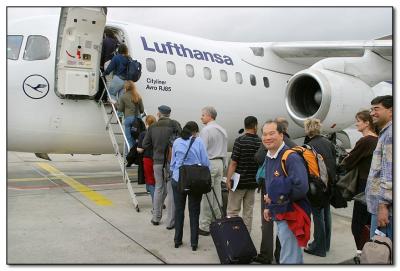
(76, 210)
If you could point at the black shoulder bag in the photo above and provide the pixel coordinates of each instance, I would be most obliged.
(194, 179)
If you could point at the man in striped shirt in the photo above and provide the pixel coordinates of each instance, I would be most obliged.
(243, 163)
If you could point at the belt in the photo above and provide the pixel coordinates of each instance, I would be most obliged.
(217, 158)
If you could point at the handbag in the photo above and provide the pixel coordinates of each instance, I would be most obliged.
(348, 184)
(194, 179)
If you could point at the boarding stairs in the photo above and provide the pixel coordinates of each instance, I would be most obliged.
(118, 139)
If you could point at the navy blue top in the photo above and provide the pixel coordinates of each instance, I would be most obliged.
(118, 66)
(283, 190)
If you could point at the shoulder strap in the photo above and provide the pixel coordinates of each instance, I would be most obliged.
(284, 158)
(187, 152)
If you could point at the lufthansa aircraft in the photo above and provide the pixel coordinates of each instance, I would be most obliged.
(53, 75)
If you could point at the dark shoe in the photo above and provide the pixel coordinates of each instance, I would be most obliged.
(261, 259)
(155, 223)
(163, 206)
(178, 244)
(194, 248)
(312, 252)
(170, 228)
(204, 233)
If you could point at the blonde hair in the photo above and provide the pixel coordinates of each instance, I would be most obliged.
(312, 127)
(150, 119)
(130, 86)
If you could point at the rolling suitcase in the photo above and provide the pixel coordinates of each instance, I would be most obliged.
(231, 239)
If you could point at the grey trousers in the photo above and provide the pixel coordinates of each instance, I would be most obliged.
(163, 191)
(217, 169)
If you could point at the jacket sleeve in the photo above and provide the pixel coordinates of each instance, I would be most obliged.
(297, 177)
(112, 66)
(141, 107)
(173, 157)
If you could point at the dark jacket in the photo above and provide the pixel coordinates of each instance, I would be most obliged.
(118, 66)
(326, 148)
(284, 190)
(108, 49)
(158, 137)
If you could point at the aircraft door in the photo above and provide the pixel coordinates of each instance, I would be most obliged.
(80, 37)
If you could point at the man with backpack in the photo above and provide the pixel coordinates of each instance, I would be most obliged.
(286, 194)
(158, 138)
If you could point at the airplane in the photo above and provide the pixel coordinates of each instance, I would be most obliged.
(53, 73)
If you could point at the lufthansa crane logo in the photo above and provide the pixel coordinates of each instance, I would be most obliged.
(35, 86)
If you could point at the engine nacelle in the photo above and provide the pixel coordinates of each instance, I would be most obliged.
(332, 97)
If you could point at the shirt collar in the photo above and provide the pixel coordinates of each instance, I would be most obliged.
(386, 126)
(277, 152)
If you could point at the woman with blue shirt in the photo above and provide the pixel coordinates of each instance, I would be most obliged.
(197, 155)
(118, 67)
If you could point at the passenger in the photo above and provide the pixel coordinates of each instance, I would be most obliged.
(196, 155)
(286, 196)
(157, 138)
(321, 216)
(378, 190)
(286, 137)
(267, 227)
(108, 50)
(131, 104)
(118, 66)
(360, 157)
(243, 163)
(147, 158)
(215, 140)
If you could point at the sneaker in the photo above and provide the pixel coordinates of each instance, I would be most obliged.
(155, 223)
(204, 233)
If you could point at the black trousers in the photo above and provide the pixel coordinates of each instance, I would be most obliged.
(360, 218)
(194, 213)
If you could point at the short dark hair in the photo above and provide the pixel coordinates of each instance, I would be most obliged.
(188, 130)
(386, 101)
(280, 127)
(250, 122)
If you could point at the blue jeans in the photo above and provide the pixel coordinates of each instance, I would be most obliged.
(194, 213)
(322, 230)
(388, 230)
(116, 85)
(291, 253)
(151, 188)
(128, 125)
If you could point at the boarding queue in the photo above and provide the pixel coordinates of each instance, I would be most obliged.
(297, 184)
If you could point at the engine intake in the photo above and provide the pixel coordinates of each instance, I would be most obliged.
(330, 96)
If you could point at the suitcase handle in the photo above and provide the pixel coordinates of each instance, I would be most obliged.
(219, 205)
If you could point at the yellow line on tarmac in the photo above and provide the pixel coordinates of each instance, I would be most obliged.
(83, 189)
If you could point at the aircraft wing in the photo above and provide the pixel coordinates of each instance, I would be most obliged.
(331, 49)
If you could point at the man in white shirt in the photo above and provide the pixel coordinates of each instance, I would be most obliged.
(215, 140)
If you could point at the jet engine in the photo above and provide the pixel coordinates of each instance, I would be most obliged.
(331, 96)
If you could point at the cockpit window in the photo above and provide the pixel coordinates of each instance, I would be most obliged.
(14, 46)
(37, 48)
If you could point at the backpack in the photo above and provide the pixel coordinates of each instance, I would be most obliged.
(316, 171)
(133, 70)
(378, 250)
(137, 128)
